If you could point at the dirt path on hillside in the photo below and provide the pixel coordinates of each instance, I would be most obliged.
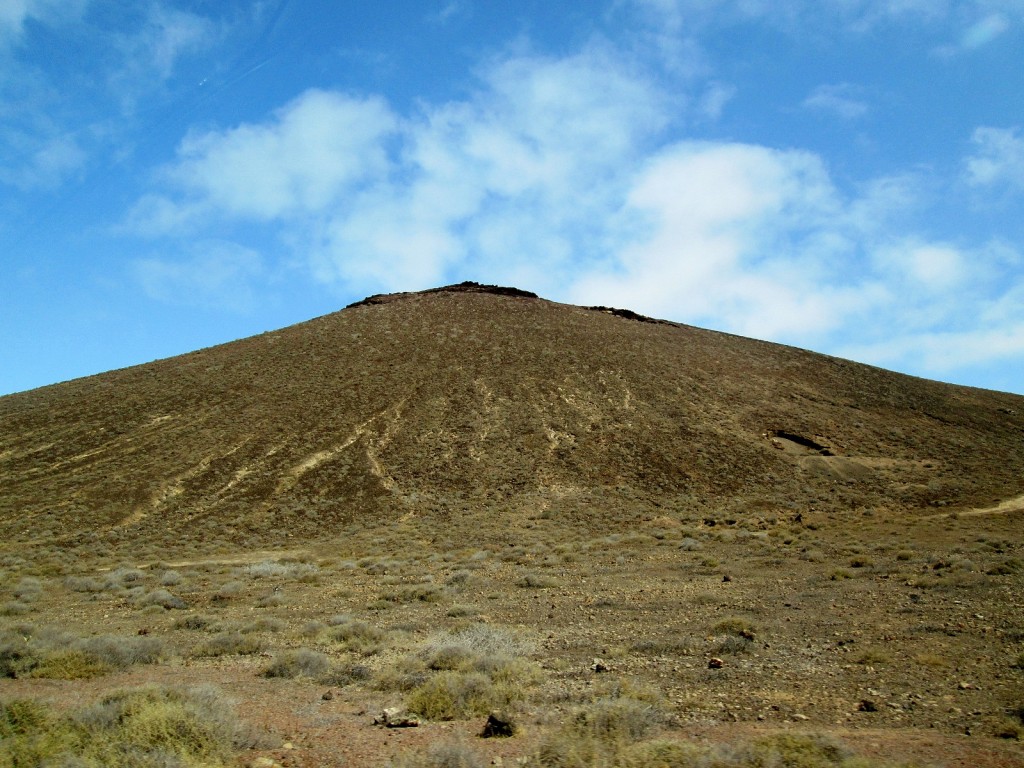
(1016, 504)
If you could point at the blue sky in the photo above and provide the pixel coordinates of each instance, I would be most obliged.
(846, 176)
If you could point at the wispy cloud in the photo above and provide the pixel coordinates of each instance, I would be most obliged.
(165, 35)
(448, 11)
(841, 99)
(59, 110)
(15, 13)
(855, 15)
(150, 53)
(998, 158)
(38, 161)
(214, 273)
(984, 31)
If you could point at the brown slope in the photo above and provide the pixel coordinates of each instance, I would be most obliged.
(466, 398)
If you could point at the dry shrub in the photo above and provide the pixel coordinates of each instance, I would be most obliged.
(162, 598)
(46, 653)
(301, 662)
(70, 664)
(150, 727)
(195, 622)
(122, 652)
(443, 755)
(537, 581)
(229, 644)
(411, 593)
(455, 695)
(358, 636)
(571, 748)
(466, 673)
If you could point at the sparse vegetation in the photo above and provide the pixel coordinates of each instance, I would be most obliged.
(136, 728)
(537, 581)
(301, 662)
(229, 644)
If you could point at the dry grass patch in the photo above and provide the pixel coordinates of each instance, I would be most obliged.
(229, 644)
(301, 662)
(470, 672)
(151, 727)
(48, 653)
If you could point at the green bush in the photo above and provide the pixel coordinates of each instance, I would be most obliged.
(456, 695)
(70, 664)
(662, 754)
(28, 589)
(573, 748)
(793, 749)
(83, 584)
(1005, 568)
(56, 655)
(14, 608)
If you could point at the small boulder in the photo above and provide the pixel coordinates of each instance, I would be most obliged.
(393, 717)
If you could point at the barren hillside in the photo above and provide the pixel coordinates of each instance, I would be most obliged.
(466, 398)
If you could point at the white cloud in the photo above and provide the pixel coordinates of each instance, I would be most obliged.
(716, 213)
(39, 162)
(841, 99)
(151, 52)
(949, 309)
(314, 149)
(857, 15)
(713, 100)
(922, 266)
(215, 274)
(998, 159)
(14, 14)
(984, 31)
(171, 33)
(448, 11)
(939, 353)
(516, 171)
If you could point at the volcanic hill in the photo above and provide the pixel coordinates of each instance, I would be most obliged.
(647, 544)
(469, 400)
